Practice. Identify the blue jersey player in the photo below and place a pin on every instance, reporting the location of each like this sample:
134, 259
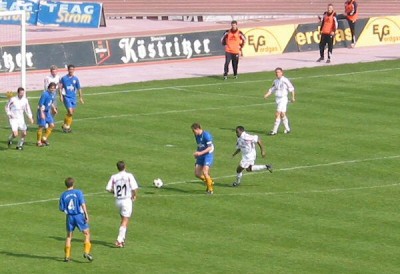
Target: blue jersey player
72, 203
45, 119
204, 156
70, 88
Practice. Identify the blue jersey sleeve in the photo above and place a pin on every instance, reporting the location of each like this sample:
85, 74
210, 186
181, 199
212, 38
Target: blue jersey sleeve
208, 140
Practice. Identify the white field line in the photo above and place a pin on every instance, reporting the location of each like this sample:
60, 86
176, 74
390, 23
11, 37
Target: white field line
254, 193
268, 81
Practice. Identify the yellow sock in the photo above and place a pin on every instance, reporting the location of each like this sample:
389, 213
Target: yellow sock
210, 184
39, 135
66, 119
67, 250
47, 133
69, 120
87, 247
203, 178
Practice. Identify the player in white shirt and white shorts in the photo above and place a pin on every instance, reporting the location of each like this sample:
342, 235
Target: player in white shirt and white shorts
15, 109
281, 87
246, 143
124, 187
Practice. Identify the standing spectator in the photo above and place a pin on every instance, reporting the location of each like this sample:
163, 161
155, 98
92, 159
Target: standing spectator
281, 87
53, 77
204, 156
233, 40
246, 143
15, 109
124, 187
351, 15
329, 25
72, 203
45, 119
69, 88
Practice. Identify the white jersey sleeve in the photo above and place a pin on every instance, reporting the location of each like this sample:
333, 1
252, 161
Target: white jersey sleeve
281, 87
27, 107
247, 143
122, 185
16, 107
51, 79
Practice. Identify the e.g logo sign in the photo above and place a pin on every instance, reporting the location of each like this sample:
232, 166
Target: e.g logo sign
380, 31
266, 40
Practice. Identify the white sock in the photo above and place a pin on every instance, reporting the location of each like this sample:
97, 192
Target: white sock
11, 137
121, 234
258, 167
21, 142
276, 125
239, 177
285, 122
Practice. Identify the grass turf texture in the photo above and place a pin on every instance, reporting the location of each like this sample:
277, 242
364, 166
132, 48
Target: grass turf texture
331, 205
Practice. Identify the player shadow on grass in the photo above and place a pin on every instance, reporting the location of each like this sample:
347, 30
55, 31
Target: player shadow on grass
95, 242
31, 256
216, 184
4, 145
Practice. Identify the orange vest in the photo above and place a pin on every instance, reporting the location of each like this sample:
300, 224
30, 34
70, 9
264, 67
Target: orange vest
349, 8
234, 42
329, 23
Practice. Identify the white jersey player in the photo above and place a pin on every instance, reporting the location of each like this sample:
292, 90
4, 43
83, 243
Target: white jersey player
124, 187
53, 77
15, 109
281, 87
246, 143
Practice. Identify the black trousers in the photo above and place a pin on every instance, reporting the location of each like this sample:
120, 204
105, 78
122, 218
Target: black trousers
352, 26
325, 39
235, 63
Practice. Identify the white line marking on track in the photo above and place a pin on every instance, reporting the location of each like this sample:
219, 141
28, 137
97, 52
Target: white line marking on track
250, 194
267, 81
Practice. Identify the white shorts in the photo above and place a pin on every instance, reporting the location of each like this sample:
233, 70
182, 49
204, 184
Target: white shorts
125, 207
247, 160
18, 124
281, 104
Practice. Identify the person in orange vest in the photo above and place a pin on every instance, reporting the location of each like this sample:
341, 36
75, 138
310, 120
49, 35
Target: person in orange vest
233, 40
351, 15
328, 28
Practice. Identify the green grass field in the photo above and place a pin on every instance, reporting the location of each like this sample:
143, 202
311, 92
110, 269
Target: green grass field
330, 206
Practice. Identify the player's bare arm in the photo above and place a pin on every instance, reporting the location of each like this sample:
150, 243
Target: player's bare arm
81, 96
236, 152
262, 149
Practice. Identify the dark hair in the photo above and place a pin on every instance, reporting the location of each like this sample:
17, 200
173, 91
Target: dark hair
20, 89
240, 128
69, 182
195, 126
279, 68
52, 84
234, 22
70, 66
120, 165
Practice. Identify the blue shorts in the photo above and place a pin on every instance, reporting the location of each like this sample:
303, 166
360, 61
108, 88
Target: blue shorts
205, 160
49, 119
70, 102
78, 221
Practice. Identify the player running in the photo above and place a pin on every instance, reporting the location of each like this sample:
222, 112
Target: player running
246, 143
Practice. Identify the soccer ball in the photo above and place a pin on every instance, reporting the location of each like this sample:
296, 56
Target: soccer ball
158, 183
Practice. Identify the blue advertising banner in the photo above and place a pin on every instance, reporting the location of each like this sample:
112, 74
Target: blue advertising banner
70, 14
30, 6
